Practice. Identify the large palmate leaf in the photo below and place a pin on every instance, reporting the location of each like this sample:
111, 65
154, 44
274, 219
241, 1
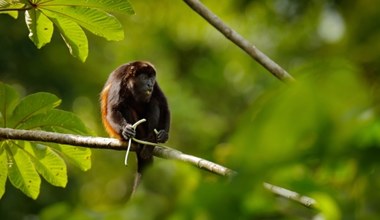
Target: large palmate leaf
23, 162
79, 157
33, 105
70, 16
3, 169
72, 34
7, 4
119, 6
40, 27
48, 163
96, 21
22, 172
8, 100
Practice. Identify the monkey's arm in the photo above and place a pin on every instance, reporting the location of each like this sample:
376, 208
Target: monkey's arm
164, 119
114, 122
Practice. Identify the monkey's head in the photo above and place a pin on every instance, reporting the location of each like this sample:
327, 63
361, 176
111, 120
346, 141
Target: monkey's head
140, 78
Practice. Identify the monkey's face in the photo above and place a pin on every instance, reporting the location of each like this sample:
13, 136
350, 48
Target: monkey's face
143, 84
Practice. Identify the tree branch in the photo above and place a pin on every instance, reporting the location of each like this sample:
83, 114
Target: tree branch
159, 151
294, 196
237, 39
112, 144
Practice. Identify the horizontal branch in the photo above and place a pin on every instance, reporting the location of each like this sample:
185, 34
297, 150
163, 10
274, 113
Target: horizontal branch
240, 41
112, 144
159, 151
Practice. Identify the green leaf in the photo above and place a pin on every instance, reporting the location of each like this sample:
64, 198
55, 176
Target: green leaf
55, 120
9, 5
4, 4
22, 173
48, 163
32, 105
98, 22
3, 169
40, 27
78, 156
13, 14
119, 6
8, 100
22, 161
72, 34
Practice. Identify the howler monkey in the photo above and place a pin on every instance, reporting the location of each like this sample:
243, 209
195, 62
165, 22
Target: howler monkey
131, 93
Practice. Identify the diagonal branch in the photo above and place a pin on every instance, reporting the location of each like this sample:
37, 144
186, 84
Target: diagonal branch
112, 144
294, 196
240, 41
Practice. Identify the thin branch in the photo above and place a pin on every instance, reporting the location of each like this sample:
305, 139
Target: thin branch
294, 196
240, 41
112, 144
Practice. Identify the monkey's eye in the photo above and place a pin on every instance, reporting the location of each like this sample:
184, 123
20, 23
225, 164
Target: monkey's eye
144, 75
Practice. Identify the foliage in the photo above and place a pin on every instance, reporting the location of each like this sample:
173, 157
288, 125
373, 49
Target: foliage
22, 161
69, 16
319, 137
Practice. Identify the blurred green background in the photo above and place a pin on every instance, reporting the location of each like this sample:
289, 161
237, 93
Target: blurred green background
319, 137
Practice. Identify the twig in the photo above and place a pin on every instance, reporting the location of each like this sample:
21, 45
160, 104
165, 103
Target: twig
237, 39
304, 200
112, 144
134, 126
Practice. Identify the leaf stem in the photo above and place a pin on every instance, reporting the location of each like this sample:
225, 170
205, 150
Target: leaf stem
16, 9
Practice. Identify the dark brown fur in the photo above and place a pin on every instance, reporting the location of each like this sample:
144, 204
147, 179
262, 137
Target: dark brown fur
128, 97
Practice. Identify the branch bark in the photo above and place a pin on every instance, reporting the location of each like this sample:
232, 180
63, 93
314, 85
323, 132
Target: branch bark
159, 151
294, 196
111, 144
240, 41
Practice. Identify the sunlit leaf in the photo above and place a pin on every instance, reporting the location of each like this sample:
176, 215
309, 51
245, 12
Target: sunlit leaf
48, 163
3, 169
24, 161
67, 15
10, 5
72, 34
8, 100
40, 27
22, 172
119, 6
78, 156
55, 119
98, 22
32, 105
4, 4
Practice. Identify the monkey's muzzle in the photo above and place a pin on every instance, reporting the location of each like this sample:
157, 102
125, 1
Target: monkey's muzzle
148, 92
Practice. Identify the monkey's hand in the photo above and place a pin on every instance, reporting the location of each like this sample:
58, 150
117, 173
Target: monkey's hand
162, 136
128, 132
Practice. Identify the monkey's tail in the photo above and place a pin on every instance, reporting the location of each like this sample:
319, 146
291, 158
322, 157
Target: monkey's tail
144, 160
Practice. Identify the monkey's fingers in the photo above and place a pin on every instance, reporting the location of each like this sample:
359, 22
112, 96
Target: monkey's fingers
128, 132
162, 136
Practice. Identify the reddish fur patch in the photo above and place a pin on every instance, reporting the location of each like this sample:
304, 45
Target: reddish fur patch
104, 110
